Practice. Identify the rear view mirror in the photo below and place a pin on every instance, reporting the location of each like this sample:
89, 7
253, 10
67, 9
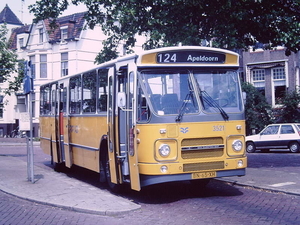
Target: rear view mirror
244, 96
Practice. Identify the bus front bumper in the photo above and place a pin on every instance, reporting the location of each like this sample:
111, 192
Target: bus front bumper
147, 180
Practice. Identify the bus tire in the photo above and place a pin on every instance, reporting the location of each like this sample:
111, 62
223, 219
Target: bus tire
115, 188
60, 167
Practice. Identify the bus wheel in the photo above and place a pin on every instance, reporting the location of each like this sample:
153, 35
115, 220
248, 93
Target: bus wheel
112, 186
201, 183
60, 167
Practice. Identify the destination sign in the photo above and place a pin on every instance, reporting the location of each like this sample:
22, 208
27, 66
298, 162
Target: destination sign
190, 57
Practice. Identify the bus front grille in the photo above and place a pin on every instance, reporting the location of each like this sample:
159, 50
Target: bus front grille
192, 167
194, 148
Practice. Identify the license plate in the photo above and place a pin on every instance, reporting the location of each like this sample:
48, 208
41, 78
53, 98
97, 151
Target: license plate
203, 175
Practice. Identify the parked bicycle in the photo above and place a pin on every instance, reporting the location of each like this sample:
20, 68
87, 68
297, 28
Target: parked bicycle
16, 133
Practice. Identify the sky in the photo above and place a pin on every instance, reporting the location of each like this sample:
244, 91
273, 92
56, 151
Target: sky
19, 6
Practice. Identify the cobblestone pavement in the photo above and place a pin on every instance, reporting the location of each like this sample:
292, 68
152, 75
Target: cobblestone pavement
174, 203
178, 203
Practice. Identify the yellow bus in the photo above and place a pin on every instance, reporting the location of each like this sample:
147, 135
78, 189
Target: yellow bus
168, 114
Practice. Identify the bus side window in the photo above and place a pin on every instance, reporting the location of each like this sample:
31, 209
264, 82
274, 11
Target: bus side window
75, 94
89, 81
102, 103
45, 107
102, 90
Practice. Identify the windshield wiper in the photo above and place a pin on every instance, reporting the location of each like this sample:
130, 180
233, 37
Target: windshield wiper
206, 98
183, 106
212, 103
185, 101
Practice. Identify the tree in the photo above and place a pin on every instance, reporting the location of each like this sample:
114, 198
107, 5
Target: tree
290, 112
257, 110
226, 23
9, 64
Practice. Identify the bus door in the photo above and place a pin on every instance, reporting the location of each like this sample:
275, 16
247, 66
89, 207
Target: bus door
57, 135
127, 125
131, 127
64, 124
113, 149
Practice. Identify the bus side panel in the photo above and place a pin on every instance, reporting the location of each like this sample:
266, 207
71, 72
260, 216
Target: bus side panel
45, 134
85, 136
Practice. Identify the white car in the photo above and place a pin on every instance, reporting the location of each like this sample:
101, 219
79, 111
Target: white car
275, 136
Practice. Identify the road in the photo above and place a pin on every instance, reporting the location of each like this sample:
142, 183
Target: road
174, 203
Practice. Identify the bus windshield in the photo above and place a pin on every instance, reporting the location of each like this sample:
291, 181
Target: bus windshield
219, 89
176, 91
170, 91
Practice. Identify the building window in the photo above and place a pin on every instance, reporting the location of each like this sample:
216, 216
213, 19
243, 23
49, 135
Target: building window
21, 42
258, 75
278, 73
43, 66
41, 35
258, 79
279, 82
32, 60
1, 106
63, 33
64, 64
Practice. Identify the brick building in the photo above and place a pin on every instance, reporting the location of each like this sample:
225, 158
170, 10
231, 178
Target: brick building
272, 72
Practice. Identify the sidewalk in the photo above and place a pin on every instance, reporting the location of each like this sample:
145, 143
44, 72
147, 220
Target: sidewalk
57, 189
269, 179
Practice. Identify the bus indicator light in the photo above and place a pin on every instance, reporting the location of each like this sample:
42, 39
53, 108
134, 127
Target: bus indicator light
163, 169
240, 163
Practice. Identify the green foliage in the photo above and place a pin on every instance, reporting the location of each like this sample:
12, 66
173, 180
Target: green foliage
15, 84
290, 112
257, 110
228, 24
9, 65
8, 58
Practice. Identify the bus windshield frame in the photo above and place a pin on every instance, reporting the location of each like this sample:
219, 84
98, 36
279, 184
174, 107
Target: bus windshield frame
179, 91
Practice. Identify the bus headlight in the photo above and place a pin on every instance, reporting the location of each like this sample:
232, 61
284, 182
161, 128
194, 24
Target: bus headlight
237, 145
164, 150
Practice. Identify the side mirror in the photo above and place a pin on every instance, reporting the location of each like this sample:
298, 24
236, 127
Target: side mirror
121, 99
244, 96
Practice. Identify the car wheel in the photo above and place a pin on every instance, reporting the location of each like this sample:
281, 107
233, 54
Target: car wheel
294, 147
250, 147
